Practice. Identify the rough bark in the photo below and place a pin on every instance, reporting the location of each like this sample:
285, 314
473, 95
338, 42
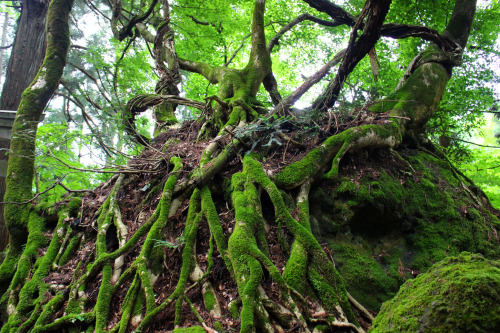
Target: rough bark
27, 52
20, 170
25, 60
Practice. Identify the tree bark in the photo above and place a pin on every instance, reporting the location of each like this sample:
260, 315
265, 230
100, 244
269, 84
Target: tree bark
25, 60
27, 52
20, 170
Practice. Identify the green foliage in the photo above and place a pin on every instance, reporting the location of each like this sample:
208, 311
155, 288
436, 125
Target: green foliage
58, 143
179, 241
484, 164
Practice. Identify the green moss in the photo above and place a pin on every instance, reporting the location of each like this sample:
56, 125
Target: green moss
296, 268
192, 329
73, 245
302, 234
74, 206
242, 244
233, 309
456, 295
209, 300
103, 303
369, 279
44, 208
218, 327
208, 208
392, 213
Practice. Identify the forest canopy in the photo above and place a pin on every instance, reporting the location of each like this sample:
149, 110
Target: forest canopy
241, 165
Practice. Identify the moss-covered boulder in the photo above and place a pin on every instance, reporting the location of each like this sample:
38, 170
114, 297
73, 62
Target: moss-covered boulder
458, 294
392, 215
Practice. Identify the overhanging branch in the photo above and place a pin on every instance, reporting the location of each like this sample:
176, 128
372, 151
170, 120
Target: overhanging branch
301, 18
334, 11
357, 49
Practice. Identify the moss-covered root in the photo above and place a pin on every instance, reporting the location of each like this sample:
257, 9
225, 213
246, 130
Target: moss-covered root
210, 301
192, 223
104, 221
334, 148
242, 244
304, 236
296, 266
28, 292
208, 208
148, 264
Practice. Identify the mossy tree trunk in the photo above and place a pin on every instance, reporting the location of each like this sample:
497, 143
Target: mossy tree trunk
306, 294
25, 60
20, 219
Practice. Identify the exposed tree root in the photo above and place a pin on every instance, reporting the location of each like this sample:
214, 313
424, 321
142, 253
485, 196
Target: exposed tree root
246, 254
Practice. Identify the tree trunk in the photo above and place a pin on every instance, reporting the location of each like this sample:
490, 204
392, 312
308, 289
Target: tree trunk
27, 52
3, 42
25, 230
25, 60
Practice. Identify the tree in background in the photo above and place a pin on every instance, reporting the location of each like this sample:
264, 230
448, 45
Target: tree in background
217, 223
25, 59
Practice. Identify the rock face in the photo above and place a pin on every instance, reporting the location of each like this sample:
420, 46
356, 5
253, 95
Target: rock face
458, 294
392, 215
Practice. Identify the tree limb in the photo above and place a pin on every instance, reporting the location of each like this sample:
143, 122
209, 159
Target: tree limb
285, 104
127, 30
301, 18
400, 31
357, 49
334, 11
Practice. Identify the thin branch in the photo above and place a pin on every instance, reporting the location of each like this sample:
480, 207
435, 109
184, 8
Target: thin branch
74, 191
58, 182
393, 30
6, 47
95, 9
75, 46
237, 50
472, 143
303, 17
243, 41
357, 49
94, 79
102, 170
400, 31
334, 11
127, 30
283, 106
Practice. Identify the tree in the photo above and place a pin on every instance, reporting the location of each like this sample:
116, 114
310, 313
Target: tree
25, 60
225, 226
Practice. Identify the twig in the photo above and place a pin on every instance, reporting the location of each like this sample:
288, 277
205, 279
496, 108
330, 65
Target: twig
360, 308
472, 143
74, 191
236, 137
58, 182
103, 171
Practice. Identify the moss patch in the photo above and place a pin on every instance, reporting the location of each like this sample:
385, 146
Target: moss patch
192, 329
459, 294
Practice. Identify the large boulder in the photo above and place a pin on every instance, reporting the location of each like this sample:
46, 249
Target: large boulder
458, 294
392, 215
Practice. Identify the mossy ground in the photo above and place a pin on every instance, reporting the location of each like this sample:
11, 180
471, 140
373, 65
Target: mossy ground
459, 294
